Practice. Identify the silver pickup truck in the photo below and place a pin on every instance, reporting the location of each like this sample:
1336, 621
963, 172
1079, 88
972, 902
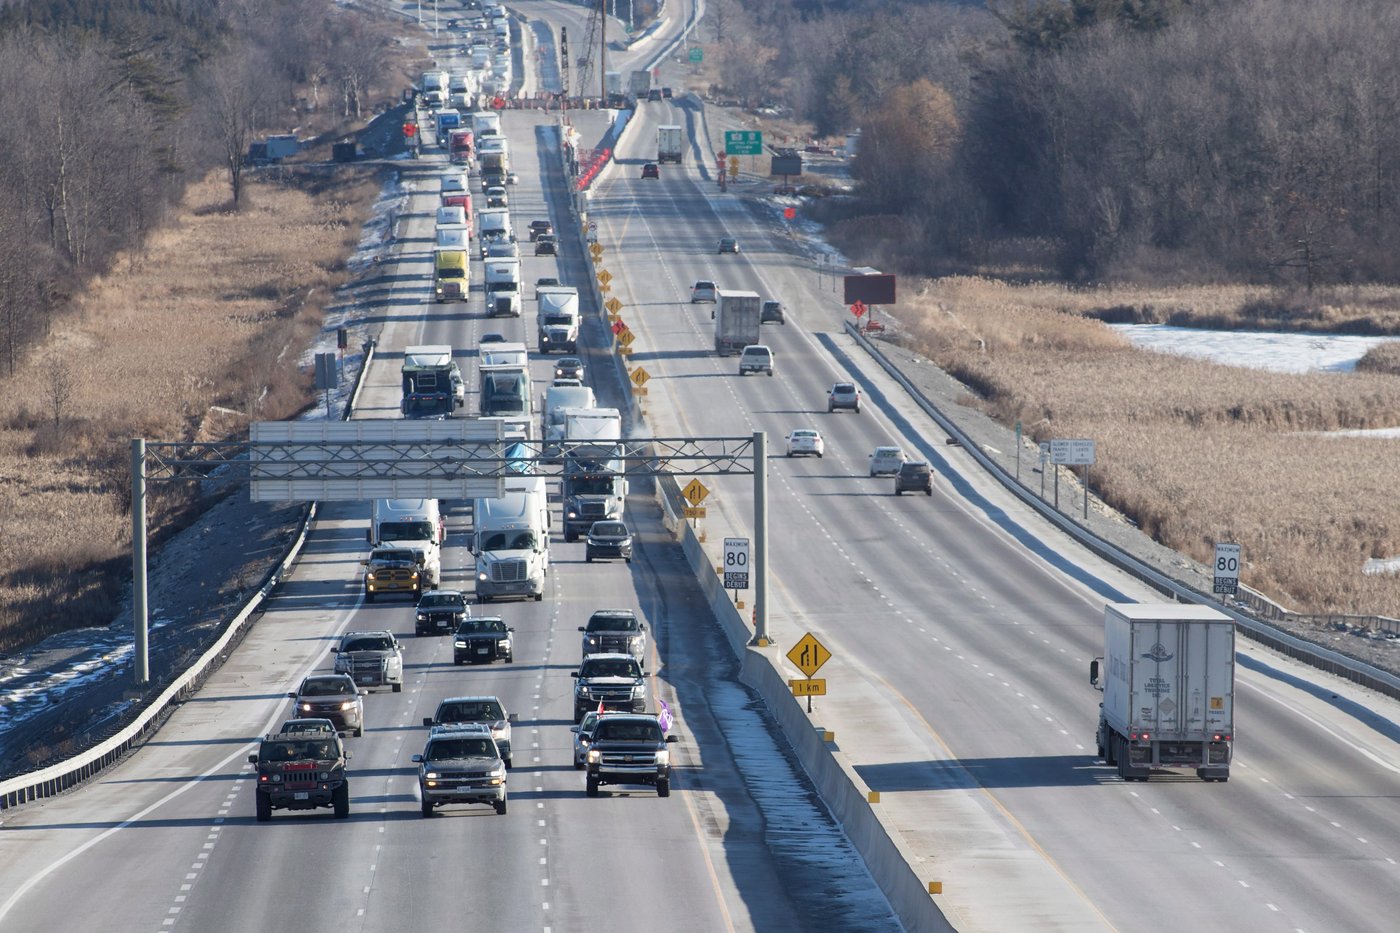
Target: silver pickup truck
372, 659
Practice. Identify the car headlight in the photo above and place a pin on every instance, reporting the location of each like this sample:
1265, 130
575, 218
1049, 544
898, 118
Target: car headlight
459, 644
431, 775
584, 691
348, 704
276, 778
305, 707
663, 757
640, 690
505, 643
594, 756
572, 514
592, 640
483, 576
422, 617
325, 775
499, 773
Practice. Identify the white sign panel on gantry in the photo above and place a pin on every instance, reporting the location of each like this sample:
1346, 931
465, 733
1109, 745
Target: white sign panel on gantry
299, 461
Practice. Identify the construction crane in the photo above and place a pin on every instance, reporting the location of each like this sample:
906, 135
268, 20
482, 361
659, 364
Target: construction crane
595, 35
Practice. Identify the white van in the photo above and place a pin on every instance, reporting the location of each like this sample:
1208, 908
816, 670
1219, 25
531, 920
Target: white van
756, 358
453, 216
411, 523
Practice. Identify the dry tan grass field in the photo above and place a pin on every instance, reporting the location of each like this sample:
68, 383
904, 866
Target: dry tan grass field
1195, 452
189, 339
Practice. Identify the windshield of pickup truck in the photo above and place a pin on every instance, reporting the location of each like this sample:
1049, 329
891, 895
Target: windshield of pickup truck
442, 749
475, 711
610, 623
627, 731
610, 667
479, 626
369, 643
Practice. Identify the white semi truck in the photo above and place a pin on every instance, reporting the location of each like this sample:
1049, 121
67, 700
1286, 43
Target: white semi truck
1168, 682
502, 279
594, 483
557, 318
511, 545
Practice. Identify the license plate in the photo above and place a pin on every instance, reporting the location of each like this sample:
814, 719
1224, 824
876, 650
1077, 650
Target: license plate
301, 795
442, 623
483, 651
463, 788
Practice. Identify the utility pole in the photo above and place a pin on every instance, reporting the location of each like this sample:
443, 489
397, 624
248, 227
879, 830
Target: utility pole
603, 51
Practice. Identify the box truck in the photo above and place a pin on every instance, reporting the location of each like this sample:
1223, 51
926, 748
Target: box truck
737, 321
1168, 681
669, 140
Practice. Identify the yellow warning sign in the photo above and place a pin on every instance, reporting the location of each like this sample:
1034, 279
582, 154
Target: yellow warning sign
693, 511
604, 276
595, 250
733, 166
808, 687
640, 376
613, 305
626, 337
695, 492
809, 655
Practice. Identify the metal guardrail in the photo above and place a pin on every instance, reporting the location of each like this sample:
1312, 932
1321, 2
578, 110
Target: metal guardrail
1316, 655
58, 778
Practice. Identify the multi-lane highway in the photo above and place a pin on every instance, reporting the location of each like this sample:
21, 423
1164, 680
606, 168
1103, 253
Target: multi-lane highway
962, 632
166, 840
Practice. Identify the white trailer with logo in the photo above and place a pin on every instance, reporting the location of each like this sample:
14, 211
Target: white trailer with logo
1168, 682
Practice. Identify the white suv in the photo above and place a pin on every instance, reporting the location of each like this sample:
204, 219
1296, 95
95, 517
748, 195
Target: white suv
703, 291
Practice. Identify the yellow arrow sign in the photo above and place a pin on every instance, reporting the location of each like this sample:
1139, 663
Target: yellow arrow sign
808, 688
640, 376
626, 337
604, 276
595, 249
809, 655
613, 305
695, 492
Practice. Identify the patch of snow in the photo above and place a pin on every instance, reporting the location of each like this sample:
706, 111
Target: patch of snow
1275, 352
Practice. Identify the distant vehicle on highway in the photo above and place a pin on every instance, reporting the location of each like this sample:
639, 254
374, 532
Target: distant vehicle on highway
628, 749
886, 461
703, 290
651, 170
492, 338
843, 395
300, 771
805, 442
540, 227
772, 313
308, 726
334, 697
728, 245
546, 245
608, 540
914, 476
757, 358
461, 764
568, 367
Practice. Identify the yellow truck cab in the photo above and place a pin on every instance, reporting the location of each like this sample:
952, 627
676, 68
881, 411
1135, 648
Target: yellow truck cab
450, 282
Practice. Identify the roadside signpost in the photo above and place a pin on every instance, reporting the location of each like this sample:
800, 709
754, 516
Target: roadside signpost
695, 493
743, 142
1227, 570
1075, 452
809, 655
639, 379
736, 564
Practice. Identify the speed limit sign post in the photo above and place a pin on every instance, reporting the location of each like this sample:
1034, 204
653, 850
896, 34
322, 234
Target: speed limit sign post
1227, 570
736, 565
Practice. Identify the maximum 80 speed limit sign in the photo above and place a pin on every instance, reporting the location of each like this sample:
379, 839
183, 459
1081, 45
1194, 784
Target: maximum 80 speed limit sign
1227, 569
736, 563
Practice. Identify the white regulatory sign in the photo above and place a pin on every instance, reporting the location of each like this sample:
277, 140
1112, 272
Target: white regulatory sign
1072, 452
736, 563
1227, 569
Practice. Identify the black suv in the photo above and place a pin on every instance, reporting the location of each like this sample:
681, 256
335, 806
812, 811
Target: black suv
301, 771
609, 681
629, 750
440, 612
913, 476
334, 697
614, 631
483, 641
772, 313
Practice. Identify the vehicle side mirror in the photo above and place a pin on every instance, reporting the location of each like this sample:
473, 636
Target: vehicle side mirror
349, 754
369, 535
335, 650
471, 542
513, 717
642, 626
571, 729
253, 759
427, 720
417, 759
365, 562
510, 628
573, 674
1094, 672
582, 628
672, 739
363, 693
292, 694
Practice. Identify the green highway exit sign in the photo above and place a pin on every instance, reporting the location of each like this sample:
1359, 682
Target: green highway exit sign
743, 142
697, 55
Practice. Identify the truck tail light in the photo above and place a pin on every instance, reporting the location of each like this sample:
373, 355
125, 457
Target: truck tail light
1144, 736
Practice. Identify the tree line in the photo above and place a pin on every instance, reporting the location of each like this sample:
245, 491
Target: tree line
1250, 140
112, 106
